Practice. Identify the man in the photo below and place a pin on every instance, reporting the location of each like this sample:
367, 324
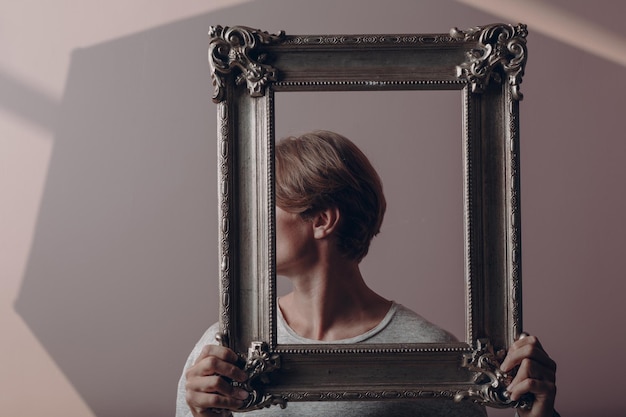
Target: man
330, 204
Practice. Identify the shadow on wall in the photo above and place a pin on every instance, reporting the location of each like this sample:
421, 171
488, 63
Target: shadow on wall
121, 279
126, 225
120, 282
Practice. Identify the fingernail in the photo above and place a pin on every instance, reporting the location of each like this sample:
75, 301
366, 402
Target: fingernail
241, 394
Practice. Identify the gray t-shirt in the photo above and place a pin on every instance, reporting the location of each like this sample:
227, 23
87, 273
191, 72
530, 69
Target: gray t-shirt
400, 325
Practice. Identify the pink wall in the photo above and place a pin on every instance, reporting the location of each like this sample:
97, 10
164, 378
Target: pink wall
112, 264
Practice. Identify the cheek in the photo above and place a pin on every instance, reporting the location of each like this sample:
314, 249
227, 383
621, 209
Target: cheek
293, 243
288, 243
281, 248
282, 238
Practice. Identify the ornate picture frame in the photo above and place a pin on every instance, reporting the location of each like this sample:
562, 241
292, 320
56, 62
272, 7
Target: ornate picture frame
485, 64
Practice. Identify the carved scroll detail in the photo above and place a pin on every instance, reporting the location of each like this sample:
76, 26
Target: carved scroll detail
367, 395
501, 47
516, 257
224, 156
258, 364
235, 48
365, 40
491, 381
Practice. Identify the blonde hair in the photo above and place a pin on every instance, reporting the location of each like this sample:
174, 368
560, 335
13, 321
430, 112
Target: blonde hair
322, 169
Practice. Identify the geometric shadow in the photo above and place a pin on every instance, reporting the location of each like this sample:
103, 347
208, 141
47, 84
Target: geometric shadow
121, 277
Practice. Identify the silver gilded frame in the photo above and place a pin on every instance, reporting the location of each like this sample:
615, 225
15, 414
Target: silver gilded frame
486, 65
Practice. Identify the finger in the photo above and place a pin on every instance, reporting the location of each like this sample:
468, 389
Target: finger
215, 385
202, 401
221, 352
532, 370
213, 365
214, 359
528, 347
542, 389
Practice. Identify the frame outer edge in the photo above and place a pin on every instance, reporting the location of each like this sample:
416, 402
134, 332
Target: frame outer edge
257, 124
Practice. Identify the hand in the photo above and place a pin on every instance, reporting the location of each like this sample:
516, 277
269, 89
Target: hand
207, 385
536, 374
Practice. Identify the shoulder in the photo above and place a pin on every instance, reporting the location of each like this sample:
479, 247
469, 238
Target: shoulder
208, 338
406, 326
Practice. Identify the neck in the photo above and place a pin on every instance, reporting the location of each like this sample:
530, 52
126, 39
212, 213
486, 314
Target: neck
332, 302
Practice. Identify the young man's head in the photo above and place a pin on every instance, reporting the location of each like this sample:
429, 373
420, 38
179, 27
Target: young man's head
321, 170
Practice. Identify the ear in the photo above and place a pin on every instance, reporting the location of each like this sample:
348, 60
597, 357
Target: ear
325, 222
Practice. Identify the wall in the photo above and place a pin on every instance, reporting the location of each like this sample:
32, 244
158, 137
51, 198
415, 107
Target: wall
107, 198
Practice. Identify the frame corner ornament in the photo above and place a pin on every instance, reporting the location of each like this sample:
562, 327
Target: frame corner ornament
259, 363
235, 47
502, 48
491, 382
